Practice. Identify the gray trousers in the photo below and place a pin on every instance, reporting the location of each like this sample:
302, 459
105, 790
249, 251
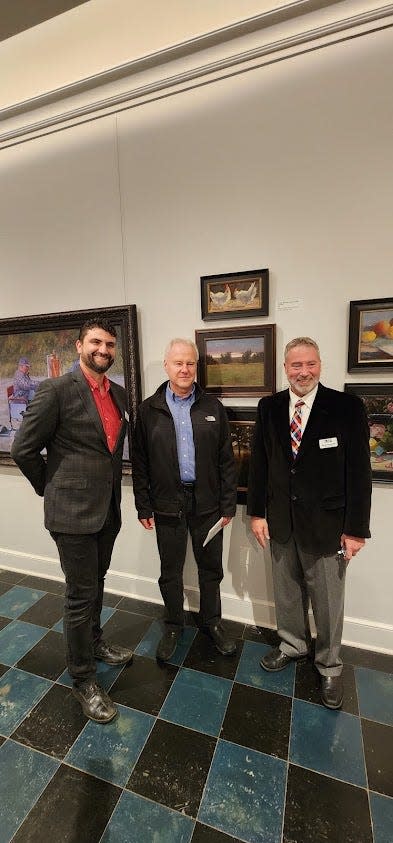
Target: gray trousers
300, 577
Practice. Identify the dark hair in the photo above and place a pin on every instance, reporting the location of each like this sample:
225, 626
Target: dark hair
99, 322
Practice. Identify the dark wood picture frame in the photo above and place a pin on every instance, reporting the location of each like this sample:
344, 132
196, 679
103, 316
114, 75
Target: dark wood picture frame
237, 361
370, 343
378, 401
241, 424
235, 295
48, 342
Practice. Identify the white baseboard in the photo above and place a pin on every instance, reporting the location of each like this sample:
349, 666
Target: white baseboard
358, 632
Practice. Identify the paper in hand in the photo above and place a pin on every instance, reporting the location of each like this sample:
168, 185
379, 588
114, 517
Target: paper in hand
213, 531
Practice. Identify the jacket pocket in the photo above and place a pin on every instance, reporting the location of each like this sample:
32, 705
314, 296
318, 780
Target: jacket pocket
70, 483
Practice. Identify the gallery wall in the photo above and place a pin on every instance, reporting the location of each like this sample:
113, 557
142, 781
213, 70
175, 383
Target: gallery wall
287, 166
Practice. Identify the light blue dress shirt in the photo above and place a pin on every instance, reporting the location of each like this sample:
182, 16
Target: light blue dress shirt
180, 410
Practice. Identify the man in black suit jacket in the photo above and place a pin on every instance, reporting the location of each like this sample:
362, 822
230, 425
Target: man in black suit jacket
310, 493
81, 419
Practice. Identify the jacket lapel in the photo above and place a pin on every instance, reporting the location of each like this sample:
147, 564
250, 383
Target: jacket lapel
118, 400
280, 417
317, 416
89, 403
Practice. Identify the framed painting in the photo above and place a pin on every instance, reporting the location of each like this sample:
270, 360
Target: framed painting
237, 294
378, 401
242, 423
370, 334
237, 361
33, 348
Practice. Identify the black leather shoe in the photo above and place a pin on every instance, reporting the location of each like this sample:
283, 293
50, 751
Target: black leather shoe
332, 691
226, 646
168, 644
112, 653
276, 660
95, 702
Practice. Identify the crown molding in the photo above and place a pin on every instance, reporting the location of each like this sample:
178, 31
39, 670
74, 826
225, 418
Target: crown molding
345, 29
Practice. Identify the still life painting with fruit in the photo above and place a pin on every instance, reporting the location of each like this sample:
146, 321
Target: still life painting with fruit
376, 335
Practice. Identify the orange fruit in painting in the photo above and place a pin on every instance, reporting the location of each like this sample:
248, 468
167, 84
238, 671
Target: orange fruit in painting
368, 336
390, 332
381, 328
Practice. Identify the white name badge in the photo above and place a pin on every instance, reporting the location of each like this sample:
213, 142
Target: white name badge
210, 418
330, 442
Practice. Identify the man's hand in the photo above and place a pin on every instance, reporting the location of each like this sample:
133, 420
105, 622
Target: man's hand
226, 519
147, 523
260, 529
351, 545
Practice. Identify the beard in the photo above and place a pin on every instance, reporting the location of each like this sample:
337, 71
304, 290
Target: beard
97, 362
303, 387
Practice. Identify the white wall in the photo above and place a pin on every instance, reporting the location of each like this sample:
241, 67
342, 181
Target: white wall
289, 167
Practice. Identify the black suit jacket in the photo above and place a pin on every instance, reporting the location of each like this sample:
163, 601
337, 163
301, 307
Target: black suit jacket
326, 491
80, 472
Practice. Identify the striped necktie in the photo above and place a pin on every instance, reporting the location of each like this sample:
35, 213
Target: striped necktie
296, 428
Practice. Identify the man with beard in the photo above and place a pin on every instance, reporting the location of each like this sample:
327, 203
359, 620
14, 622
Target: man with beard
310, 492
80, 419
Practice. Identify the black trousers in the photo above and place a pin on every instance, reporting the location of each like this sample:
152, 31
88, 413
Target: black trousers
85, 560
172, 533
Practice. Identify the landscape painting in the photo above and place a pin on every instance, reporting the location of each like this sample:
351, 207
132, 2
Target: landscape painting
237, 361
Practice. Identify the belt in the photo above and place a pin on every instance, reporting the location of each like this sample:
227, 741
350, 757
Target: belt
188, 486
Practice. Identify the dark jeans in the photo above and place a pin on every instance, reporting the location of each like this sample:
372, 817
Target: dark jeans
85, 560
172, 535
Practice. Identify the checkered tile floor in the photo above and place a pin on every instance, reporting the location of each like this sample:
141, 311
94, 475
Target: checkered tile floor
205, 749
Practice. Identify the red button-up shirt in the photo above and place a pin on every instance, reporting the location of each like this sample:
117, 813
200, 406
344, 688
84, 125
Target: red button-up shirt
109, 413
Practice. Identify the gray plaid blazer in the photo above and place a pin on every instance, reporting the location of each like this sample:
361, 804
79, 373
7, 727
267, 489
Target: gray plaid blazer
80, 472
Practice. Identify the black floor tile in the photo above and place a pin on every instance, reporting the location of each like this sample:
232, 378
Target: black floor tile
259, 720
367, 658
47, 658
378, 752
5, 586
74, 808
54, 724
126, 629
203, 655
2, 740
144, 685
205, 834
45, 584
46, 612
173, 767
142, 607
4, 622
323, 810
111, 600
11, 576
308, 684
261, 634
3, 669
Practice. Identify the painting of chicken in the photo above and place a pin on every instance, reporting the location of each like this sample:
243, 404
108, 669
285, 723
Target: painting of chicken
236, 294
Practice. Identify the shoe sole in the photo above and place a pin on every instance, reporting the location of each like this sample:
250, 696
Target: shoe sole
114, 663
332, 707
89, 716
225, 652
167, 657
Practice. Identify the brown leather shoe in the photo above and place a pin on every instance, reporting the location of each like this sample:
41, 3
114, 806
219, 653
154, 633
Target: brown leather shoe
112, 653
224, 645
276, 660
95, 702
332, 691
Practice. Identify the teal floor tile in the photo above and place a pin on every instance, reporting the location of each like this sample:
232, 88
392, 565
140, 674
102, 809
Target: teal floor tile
375, 692
24, 774
382, 816
110, 753
328, 742
137, 820
19, 692
244, 794
106, 675
249, 671
197, 700
17, 600
148, 645
17, 639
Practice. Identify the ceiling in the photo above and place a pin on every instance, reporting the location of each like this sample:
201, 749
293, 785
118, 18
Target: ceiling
18, 15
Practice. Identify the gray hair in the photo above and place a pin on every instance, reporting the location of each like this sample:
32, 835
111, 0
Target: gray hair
300, 341
181, 341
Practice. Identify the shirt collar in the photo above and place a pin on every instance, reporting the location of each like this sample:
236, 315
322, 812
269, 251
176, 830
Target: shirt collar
172, 395
308, 399
93, 383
